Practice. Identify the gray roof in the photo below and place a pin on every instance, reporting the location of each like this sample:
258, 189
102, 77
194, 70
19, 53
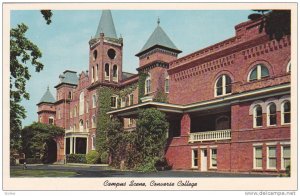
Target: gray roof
68, 77
126, 75
160, 38
47, 97
106, 25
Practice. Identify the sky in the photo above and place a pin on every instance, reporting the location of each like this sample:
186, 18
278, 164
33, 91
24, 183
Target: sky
64, 43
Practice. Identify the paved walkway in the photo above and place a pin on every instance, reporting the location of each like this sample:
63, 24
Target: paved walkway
98, 171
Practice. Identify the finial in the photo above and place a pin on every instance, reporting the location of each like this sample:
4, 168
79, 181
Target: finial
47, 87
158, 21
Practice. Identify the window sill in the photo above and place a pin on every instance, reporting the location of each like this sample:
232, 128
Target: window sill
219, 96
258, 127
257, 169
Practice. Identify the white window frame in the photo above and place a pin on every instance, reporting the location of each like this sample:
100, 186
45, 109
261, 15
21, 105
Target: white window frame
94, 100
254, 157
123, 102
193, 158
115, 79
282, 113
116, 104
282, 158
130, 99
93, 79
93, 138
167, 84
148, 81
223, 85
258, 66
255, 116
81, 125
93, 121
268, 115
96, 74
210, 164
106, 77
51, 117
268, 157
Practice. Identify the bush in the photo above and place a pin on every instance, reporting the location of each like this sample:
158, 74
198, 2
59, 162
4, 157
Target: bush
162, 164
76, 158
92, 157
33, 161
147, 166
12, 161
104, 158
288, 170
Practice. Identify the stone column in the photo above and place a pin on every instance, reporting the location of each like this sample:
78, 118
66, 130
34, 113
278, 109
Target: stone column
71, 145
185, 128
74, 145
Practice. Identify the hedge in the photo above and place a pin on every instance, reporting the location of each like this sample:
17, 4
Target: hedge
76, 158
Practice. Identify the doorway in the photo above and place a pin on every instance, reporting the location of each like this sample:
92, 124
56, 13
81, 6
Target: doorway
203, 159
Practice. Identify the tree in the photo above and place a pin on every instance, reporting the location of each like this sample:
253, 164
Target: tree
36, 135
22, 50
276, 23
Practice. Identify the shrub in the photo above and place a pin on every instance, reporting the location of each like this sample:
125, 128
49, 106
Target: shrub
92, 157
33, 161
288, 170
147, 166
12, 161
76, 158
104, 158
162, 164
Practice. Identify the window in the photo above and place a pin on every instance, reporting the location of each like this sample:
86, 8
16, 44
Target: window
194, 158
285, 156
113, 102
257, 116
271, 157
94, 100
115, 73
94, 122
123, 102
213, 158
131, 99
271, 110
96, 72
223, 85
81, 103
93, 74
259, 72
40, 119
95, 55
75, 111
70, 95
93, 142
106, 71
286, 112
257, 157
148, 85
130, 122
51, 120
59, 114
167, 84
81, 125
111, 53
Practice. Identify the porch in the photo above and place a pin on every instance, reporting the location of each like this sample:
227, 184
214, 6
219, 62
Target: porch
76, 142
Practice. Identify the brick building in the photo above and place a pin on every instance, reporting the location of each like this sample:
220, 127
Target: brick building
228, 105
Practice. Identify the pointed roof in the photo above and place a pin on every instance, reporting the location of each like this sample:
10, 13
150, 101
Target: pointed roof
47, 97
158, 38
106, 25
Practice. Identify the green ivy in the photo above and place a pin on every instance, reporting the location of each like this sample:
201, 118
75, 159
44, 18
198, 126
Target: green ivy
141, 85
160, 96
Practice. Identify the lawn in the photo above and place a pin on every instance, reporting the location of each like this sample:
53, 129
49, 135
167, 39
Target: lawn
40, 173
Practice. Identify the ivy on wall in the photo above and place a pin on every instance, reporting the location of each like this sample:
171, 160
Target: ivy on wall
141, 85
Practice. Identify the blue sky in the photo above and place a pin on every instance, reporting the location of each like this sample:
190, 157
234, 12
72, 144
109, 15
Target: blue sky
64, 43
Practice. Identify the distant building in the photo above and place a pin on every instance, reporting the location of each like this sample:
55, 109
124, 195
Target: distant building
228, 104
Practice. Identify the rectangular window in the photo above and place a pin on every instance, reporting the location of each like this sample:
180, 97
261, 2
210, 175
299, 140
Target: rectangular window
131, 99
258, 157
272, 157
123, 102
213, 158
113, 102
51, 121
285, 156
195, 158
94, 101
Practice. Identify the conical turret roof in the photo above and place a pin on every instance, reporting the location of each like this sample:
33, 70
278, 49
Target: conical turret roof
159, 38
106, 25
47, 97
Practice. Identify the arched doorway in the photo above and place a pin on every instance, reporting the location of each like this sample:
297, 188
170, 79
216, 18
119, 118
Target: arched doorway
50, 153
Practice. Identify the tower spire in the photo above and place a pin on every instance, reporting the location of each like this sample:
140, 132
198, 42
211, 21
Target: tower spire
106, 25
158, 21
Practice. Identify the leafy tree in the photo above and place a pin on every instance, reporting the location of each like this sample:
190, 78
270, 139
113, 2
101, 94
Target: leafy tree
22, 51
276, 23
36, 135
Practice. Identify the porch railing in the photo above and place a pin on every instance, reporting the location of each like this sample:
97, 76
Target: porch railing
210, 136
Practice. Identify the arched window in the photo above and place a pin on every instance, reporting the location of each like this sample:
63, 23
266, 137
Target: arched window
70, 95
148, 85
93, 142
115, 73
257, 116
93, 74
288, 69
81, 103
223, 85
167, 84
260, 71
81, 125
286, 112
222, 123
94, 100
271, 111
106, 71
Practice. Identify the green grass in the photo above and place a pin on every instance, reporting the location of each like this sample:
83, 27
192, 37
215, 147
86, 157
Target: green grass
40, 173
